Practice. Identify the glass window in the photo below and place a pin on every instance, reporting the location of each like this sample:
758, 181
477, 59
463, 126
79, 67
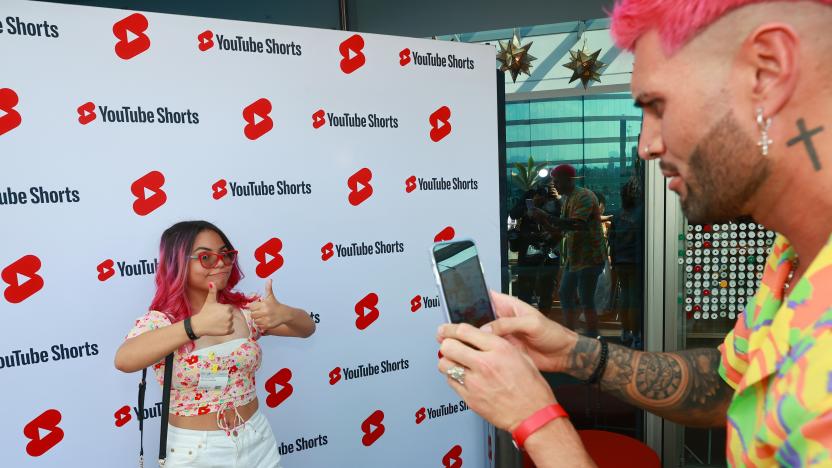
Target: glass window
551, 270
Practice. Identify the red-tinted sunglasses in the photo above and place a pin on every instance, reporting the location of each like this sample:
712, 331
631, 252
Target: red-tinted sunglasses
210, 259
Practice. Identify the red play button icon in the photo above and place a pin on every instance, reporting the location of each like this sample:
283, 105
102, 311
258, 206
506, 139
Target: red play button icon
373, 428
22, 279
268, 257
360, 187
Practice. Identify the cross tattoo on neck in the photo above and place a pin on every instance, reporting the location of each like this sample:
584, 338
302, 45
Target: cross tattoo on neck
805, 136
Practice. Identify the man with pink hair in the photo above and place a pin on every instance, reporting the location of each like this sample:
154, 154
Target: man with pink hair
737, 100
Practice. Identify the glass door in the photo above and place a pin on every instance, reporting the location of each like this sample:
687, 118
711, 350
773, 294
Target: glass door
586, 282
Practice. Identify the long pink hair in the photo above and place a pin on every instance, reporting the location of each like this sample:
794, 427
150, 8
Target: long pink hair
677, 21
172, 275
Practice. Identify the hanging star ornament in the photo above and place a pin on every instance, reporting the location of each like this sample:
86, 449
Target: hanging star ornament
585, 67
515, 57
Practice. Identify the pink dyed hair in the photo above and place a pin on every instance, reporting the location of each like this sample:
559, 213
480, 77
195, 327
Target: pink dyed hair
677, 21
172, 275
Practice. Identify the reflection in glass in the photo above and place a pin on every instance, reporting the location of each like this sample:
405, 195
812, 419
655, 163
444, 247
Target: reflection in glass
598, 135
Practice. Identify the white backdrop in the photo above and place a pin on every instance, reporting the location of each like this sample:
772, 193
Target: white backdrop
98, 212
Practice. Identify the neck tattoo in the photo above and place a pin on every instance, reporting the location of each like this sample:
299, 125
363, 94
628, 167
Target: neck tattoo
805, 136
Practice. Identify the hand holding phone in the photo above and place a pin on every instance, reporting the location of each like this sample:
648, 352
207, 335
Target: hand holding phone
461, 283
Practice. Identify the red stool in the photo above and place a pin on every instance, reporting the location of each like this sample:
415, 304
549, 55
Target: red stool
612, 450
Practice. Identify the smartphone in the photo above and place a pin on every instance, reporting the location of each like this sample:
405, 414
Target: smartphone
461, 283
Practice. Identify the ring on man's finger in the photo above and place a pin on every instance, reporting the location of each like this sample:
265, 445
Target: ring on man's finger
457, 373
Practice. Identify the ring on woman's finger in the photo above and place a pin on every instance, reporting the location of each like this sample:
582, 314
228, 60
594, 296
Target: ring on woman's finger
457, 373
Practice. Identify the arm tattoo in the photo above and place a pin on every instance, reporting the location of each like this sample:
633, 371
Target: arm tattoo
658, 379
805, 136
583, 358
684, 387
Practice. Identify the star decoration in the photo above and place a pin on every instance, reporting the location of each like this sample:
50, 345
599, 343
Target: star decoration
515, 57
585, 67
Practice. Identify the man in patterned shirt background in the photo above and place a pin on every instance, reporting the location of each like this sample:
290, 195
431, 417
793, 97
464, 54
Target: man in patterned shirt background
583, 251
737, 100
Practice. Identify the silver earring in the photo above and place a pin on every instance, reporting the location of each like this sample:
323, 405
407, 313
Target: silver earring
763, 124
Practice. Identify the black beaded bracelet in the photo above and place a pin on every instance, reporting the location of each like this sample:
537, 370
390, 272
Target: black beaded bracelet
189, 330
602, 363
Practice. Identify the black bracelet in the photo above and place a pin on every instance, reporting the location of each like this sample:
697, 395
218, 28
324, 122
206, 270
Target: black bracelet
602, 363
189, 330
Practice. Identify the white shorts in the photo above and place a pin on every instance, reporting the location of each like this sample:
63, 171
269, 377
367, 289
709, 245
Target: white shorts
254, 446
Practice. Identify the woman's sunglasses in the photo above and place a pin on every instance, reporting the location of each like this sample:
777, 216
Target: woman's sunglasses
211, 259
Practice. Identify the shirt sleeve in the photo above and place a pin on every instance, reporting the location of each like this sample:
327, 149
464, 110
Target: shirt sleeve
147, 322
584, 206
734, 352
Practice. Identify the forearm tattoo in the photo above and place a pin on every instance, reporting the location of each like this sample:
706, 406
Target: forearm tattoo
805, 137
584, 357
683, 386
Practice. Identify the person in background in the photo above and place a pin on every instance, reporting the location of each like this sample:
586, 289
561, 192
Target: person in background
584, 251
605, 289
626, 237
537, 250
606, 220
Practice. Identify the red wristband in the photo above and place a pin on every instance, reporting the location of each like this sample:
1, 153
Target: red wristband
535, 422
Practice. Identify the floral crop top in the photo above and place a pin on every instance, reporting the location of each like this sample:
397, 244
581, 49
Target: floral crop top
205, 381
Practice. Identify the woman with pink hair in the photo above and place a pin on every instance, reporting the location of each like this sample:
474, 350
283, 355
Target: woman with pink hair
212, 332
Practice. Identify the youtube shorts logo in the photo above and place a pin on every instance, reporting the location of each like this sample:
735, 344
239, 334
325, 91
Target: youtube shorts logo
122, 416
43, 433
367, 311
148, 192
440, 124
220, 189
22, 279
453, 459
206, 40
373, 428
131, 36
445, 235
280, 379
268, 257
420, 415
334, 376
352, 55
416, 303
410, 184
360, 187
318, 119
106, 270
258, 121
86, 113
10, 118
404, 57
327, 251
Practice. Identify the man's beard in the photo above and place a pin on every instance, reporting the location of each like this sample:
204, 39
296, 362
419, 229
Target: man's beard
727, 169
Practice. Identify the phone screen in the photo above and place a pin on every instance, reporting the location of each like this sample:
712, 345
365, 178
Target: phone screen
463, 284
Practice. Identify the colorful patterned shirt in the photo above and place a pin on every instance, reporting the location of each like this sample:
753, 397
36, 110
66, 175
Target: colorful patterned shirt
583, 248
778, 359
188, 397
